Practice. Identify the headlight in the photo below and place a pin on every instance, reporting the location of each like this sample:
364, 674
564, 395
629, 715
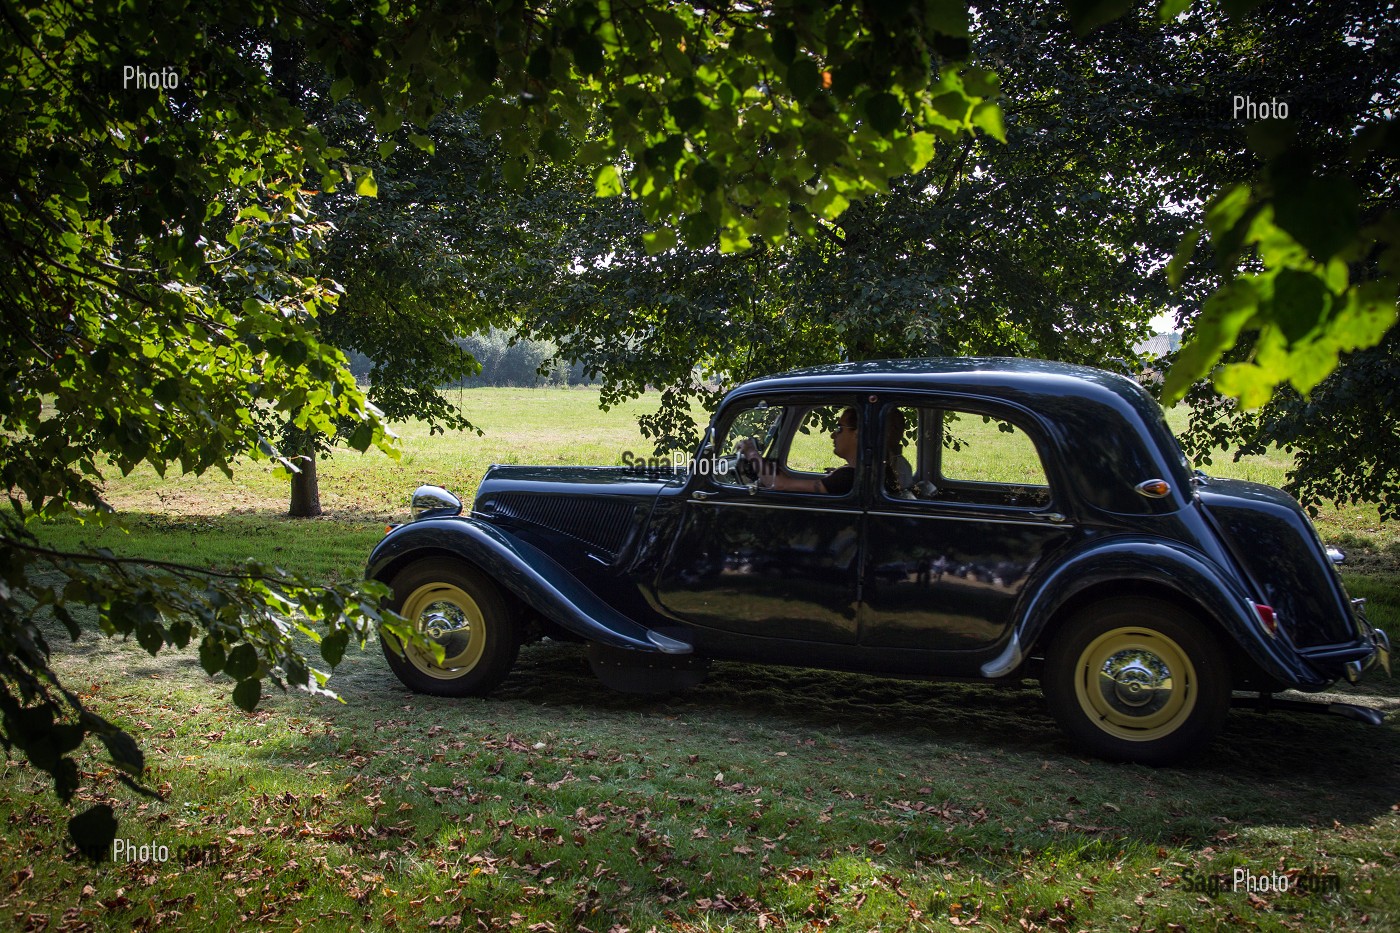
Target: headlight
433, 502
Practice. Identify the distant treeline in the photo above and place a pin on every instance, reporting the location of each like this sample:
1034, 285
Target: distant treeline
502, 364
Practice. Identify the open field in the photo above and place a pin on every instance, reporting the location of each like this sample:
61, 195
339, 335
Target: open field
763, 799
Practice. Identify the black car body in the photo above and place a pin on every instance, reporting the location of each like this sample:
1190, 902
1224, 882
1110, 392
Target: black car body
1090, 555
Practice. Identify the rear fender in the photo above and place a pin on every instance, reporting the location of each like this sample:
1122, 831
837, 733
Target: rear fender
525, 571
1120, 562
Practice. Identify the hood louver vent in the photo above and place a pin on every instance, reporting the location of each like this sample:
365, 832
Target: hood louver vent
601, 525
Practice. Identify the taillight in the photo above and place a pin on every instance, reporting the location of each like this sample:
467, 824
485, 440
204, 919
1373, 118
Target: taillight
1267, 617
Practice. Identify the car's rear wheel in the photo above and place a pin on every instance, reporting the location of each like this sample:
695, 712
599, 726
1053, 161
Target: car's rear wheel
459, 608
1137, 680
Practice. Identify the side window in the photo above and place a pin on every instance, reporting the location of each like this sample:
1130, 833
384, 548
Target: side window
811, 449
962, 456
761, 423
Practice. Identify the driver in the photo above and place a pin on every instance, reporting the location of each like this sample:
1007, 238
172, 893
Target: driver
838, 482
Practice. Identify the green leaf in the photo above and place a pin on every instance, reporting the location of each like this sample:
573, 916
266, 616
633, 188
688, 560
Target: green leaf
885, 112
733, 241
698, 229
1300, 305
1176, 268
362, 436
986, 116
1321, 214
948, 17
658, 241
1248, 383
150, 634
167, 390
93, 830
366, 186
1226, 209
242, 662
211, 655
247, 694
1311, 363
333, 646
1222, 318
829, 204
705, 176
688, 112
607, 183
71, 624
425, 143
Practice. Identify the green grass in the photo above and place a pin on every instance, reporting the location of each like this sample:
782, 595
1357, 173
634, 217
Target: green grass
763, 799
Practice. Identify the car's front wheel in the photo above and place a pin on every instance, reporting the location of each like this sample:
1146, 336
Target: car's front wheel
460, 609
1137, 680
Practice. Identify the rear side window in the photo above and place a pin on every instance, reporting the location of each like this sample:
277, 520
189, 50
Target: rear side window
963, 456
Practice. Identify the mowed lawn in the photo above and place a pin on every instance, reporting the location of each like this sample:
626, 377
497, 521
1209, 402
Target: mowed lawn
763, 799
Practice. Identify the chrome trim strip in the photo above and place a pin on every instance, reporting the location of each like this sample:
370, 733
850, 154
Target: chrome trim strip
1051, 519
1038, 523
770, 504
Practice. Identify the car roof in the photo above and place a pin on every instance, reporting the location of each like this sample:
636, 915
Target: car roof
1008, 377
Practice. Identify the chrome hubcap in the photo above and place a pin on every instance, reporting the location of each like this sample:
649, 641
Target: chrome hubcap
1135, 682
442, 618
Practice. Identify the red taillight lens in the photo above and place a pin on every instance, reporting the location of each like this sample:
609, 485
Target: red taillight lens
1268, 617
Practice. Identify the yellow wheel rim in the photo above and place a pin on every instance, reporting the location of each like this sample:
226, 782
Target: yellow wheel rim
1135, 684
448, 616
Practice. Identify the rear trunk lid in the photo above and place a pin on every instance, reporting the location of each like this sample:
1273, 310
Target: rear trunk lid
1273, 541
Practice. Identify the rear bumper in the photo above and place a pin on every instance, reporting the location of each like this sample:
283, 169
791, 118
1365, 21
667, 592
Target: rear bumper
1352, 659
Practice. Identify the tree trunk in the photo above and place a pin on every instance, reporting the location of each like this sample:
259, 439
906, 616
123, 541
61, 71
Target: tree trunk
306, 494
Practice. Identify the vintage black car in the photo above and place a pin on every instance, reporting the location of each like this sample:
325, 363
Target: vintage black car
993, 519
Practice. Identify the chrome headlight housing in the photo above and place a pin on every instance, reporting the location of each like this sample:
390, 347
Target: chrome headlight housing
433, 502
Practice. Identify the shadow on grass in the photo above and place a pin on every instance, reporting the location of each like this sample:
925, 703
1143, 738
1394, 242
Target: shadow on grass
1294, 769
1276, 770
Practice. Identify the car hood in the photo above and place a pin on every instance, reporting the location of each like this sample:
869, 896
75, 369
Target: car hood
601, 509
583, 480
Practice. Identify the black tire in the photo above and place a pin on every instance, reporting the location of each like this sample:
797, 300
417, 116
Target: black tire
467, 615
1170, 693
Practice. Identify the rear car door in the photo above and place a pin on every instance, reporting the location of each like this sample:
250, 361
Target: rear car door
965, 513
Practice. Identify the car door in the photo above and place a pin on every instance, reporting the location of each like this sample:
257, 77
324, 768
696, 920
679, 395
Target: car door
965, 513
767, 563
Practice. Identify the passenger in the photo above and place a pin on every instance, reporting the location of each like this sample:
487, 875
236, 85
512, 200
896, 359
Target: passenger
899, 478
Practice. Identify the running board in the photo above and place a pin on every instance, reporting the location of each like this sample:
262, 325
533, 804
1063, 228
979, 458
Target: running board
1266, 703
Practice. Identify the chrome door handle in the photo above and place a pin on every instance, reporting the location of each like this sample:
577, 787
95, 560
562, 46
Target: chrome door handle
704, 494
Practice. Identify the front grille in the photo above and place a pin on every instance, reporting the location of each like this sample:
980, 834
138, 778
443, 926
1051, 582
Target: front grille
599, 524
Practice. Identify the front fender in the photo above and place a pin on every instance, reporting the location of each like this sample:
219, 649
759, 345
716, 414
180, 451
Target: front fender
524, 570
1122, 561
